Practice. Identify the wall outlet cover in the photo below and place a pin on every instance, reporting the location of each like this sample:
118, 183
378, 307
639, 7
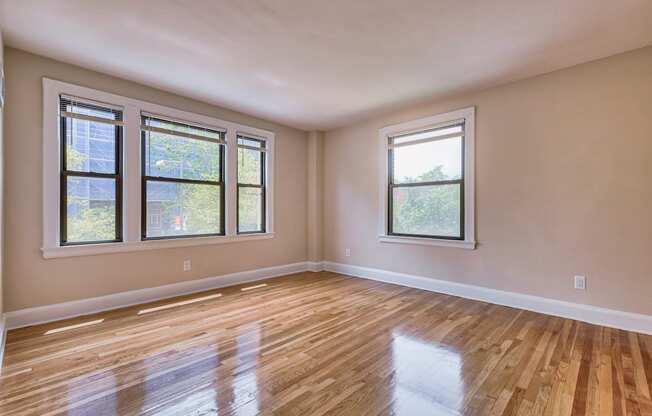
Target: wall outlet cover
580, 282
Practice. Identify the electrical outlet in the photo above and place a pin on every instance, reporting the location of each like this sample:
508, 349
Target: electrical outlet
187, 265
580, 282
347, 252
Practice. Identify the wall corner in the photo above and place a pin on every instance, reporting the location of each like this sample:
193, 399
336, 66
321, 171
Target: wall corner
315, 199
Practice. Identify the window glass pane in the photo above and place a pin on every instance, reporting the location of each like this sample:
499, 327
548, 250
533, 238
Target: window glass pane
428, 134
90, 146
179, 157
432, 161
250, 209
90, 209
427, 210
182, 209
249, 166
170, 125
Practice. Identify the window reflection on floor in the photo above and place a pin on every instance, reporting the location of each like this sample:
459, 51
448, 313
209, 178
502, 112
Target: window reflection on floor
76, 393
212, 391
200, 396
245, 383
428, 377
204, 399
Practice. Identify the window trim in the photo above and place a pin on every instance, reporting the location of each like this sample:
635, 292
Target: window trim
145, 178
131, 183
467, 240
262, 186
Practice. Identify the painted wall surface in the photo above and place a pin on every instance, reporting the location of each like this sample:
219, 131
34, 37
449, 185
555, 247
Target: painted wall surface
563, 170
32, 281
2, 240
315, 191
562, 188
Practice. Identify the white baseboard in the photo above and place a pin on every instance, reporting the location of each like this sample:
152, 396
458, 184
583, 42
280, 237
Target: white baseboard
587, 313
3, 339
59, 311
315, 266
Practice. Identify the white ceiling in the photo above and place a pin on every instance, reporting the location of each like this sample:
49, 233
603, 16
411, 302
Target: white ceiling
324, 63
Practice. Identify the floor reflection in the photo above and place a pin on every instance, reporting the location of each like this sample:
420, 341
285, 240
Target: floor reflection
213, 385
428, 377
203, 401
245, 382
76, 390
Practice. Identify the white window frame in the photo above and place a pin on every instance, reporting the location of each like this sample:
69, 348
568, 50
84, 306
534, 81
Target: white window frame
468, 114
131, 191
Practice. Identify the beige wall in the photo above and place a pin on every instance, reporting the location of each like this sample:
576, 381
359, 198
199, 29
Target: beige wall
1, 188
315, 192
31, 280
563, 187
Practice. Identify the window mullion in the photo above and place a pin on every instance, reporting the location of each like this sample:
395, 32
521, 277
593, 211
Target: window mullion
431, 183
90, 174
131, 186
182, 180
231, 180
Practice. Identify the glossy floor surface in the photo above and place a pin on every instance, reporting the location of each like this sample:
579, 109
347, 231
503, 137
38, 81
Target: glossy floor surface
324, 344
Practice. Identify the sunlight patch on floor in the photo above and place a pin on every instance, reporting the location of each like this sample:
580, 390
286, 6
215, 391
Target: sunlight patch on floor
181, 303
244, 289
69, 327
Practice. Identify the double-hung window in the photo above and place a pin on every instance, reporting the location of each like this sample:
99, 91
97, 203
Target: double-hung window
90, 171
182, 179
428, 187
251, 185
121, 174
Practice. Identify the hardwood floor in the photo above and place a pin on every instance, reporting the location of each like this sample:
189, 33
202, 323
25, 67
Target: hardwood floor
324, 344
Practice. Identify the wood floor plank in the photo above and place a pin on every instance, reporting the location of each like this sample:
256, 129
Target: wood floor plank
324, 344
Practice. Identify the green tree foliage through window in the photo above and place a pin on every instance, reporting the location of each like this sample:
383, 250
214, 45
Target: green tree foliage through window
90, 221
250, 186
173, 208
90, 174
427, 210
427, 183
180, 208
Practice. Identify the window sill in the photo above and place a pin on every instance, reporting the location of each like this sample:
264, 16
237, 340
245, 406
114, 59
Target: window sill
108, 248
468, 245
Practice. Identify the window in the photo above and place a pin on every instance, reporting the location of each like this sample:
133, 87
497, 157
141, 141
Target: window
251, 185
90, 172
429, 181
182, 179
121, 174
426, 183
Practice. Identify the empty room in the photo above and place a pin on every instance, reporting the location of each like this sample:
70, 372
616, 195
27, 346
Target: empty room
307, 208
